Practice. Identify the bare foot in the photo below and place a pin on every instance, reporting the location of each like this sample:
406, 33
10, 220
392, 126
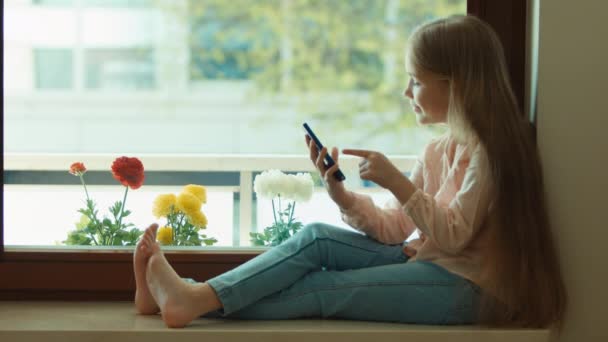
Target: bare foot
179, 302
144, 302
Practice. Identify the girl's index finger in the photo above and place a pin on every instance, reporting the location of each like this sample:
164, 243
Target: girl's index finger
359, 153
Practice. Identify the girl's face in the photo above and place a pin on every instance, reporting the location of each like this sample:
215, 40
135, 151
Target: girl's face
429, 95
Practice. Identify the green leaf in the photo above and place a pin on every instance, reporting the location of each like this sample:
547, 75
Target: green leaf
115, 209
107, 223
78, 237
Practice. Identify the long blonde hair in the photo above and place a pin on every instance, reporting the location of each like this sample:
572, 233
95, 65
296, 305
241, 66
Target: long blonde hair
521, 275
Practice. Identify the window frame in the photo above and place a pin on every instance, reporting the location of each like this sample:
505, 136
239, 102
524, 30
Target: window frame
40, 274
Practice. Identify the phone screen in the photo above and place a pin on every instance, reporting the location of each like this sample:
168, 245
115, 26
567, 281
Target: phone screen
329, 161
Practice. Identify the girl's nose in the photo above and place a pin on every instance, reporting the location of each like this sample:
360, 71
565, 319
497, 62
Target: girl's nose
408, 92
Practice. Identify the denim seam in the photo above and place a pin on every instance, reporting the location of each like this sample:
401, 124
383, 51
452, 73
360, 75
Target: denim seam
289, 257
333, 288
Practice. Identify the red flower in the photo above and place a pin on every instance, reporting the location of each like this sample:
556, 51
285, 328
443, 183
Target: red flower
128, 171
77, 169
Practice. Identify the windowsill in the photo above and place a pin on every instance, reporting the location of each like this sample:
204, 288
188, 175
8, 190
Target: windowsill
117, 321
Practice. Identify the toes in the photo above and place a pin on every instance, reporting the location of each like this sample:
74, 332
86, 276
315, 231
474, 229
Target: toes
154, 228
151, 231
149, 239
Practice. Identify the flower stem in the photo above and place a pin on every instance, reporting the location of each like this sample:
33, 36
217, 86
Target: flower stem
293, 208
274, 212
171, 223
95, 220
179, 227
280, 210
122, 207
94, 240
85, 186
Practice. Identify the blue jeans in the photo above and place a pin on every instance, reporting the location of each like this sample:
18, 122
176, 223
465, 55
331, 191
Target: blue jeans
330, 272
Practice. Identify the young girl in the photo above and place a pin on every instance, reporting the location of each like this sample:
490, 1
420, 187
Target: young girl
485, 253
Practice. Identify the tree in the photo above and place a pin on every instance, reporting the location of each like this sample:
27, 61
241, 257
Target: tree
337, 61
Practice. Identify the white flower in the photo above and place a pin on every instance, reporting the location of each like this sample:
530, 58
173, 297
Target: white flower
304, 187
272, 183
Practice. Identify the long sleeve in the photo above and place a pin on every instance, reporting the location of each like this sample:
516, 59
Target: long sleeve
390, 224
454, 225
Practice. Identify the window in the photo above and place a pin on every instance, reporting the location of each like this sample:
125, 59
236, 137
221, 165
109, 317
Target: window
53, 68
219, 49
53, 2
153, 79
93, 3
126, 69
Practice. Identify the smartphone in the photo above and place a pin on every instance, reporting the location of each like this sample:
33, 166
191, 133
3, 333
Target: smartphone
329, 161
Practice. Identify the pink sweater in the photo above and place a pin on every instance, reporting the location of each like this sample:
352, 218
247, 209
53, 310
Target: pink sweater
449, 209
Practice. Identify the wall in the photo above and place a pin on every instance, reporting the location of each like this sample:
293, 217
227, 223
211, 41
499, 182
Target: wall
572, 118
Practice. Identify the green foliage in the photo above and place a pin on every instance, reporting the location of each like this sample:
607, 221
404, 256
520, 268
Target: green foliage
335, 60
105, 232
282, 229
184, 233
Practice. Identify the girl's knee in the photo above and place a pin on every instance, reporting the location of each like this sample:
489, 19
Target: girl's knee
317, 229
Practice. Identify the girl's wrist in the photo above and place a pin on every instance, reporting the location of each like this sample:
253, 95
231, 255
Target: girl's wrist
402, 188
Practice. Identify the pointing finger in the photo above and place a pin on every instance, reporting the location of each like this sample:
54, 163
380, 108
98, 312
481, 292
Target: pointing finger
359, 153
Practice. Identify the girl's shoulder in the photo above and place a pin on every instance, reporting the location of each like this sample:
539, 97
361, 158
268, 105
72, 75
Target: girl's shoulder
446, 146
438, 146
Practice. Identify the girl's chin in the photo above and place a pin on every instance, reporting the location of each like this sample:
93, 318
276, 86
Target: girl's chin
422, 119
426, 120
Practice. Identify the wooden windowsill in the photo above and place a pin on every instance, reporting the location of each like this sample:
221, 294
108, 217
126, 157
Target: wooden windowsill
117, 321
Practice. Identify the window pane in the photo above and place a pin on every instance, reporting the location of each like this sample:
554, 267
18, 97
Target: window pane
226, 41
53, 2
43, 215
210, 77
126, 69
223, 76
53, 68
118, 3
93, 3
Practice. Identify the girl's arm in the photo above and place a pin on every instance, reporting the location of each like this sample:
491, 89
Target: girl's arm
453, 226
390, 225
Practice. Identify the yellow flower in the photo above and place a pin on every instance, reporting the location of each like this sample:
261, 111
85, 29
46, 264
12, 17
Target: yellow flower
165, 235
188, 203
198, 219
163, 204
197, 190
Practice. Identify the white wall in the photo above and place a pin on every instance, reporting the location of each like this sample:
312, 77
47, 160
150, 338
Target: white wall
572, 118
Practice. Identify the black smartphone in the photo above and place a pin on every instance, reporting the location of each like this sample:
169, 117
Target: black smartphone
329, 161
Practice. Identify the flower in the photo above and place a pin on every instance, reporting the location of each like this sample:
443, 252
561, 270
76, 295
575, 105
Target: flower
188, 203
108, 231
184, 217
164, 235
275, 184
198, 219
129, 172
77, 169
163, 204
198, 191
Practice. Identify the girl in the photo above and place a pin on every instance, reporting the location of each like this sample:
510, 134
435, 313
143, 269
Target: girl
485, 253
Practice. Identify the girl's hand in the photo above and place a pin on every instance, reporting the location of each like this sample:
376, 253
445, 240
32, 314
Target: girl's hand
335, 188
378, 169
